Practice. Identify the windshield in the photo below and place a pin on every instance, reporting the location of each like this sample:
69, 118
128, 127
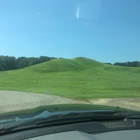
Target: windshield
69, 52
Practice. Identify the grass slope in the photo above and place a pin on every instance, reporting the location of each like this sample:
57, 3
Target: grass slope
74, 78
61, 65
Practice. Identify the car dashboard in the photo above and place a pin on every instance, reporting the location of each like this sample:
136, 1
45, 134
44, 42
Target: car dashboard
102, 130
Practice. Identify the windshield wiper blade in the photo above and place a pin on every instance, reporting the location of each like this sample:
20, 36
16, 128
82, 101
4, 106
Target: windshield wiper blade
54, 118
128, 114
78, 116
46, 114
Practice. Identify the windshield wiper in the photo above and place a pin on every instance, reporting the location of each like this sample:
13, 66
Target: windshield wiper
74, 117
128, 114
45, 118
46, 114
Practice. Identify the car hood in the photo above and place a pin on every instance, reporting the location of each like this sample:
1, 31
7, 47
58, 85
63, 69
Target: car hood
61, 108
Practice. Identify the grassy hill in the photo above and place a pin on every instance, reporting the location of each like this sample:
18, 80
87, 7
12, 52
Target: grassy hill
61, 65
75, 78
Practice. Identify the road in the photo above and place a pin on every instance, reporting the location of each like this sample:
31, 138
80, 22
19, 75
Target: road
13, 100
130, 103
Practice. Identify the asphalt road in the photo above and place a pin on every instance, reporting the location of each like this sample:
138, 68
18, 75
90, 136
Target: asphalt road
13, 100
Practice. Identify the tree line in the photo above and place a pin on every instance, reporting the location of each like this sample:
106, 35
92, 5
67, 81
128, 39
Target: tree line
11, 62
127, 64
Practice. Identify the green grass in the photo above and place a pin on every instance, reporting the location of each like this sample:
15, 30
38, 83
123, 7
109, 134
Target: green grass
75, 78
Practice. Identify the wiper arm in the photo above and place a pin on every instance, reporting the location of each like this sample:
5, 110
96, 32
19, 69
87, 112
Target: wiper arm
129, 115
46, 118
46, 114
78, 116
89, 113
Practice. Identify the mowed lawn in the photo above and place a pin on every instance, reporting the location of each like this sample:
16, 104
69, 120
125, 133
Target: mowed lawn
74, 78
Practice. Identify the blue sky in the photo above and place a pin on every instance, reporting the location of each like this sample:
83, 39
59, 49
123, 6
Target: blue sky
103, 30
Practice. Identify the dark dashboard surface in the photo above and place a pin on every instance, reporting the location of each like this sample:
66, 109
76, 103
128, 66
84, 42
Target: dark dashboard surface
76, 135
105, 130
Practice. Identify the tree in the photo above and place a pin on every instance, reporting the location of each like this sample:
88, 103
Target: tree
128, 64
7, 63
11, 63
22, 62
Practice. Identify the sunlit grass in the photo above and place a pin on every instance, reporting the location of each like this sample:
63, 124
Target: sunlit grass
74, 78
